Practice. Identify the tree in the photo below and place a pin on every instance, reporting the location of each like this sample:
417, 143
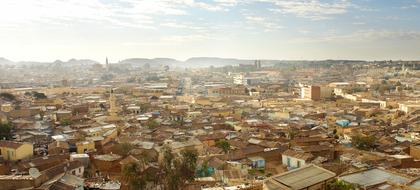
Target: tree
8, 96
177, 172
66, 122
340, 185
170, 178
125, 148
152, 124
188, 164
224, 145
102, 106
6, 131
132, 173
38, 95
363, 142
292, 133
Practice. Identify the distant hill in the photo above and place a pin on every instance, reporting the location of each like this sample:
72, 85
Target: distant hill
4, 61
215, 61
71, 62
156, 62
159, 62
192, 62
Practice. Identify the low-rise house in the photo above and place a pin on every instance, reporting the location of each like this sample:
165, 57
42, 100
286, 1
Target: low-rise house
257, 162
58, 147
85, 146
308, 177
232, 177
13, 151
294, 159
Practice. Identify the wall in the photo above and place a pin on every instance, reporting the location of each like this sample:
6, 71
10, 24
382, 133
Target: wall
293, 161
25, 151
415, 151
90, 145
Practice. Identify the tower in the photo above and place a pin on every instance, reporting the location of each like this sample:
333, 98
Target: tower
113, 108
106, 64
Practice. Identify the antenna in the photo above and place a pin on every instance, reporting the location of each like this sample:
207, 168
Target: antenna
33, 172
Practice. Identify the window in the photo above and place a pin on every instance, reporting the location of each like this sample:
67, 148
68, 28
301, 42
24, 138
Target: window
288, 161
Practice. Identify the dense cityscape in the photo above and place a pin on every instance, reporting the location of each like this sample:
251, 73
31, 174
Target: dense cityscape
230, 124
209, 94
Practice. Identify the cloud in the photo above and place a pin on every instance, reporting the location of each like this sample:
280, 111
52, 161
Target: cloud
52, 12
266, 24
363, 36
409, 7
313, 9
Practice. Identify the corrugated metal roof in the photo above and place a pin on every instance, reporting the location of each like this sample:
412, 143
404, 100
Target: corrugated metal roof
303, 177
373, 177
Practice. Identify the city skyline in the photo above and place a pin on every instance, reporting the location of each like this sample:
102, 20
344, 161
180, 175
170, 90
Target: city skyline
254, 29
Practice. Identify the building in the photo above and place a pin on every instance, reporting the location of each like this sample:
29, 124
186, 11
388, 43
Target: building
293, 159
257, 162
62, 115
409, 107
308, 177
316, 92
13, 151
85, 146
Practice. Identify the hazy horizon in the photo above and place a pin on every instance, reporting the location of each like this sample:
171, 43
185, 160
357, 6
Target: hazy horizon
48, 30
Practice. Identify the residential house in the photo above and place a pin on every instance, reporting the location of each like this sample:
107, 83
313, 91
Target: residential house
13, 151
294, 159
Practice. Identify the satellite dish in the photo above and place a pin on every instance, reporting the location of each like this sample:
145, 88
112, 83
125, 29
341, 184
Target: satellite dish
33, 172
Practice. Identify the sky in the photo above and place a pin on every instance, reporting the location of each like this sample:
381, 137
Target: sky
47, 30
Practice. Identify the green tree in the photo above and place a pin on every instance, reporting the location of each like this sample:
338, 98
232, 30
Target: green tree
170, 178
363, 142
177, 172
38, 95
66, 122
125, 148
188, 164
292, 133
340, 185
7, 96
152, 124
132, 173
6, 131
224, 145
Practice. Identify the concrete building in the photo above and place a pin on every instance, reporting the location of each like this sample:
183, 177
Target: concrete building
13, 151
316, 92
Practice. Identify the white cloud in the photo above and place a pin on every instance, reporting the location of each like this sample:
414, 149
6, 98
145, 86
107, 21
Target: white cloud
311, 9
261, 22
363, 36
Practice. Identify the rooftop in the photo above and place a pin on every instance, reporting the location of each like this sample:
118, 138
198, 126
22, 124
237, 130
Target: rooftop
300, 178
373, 177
